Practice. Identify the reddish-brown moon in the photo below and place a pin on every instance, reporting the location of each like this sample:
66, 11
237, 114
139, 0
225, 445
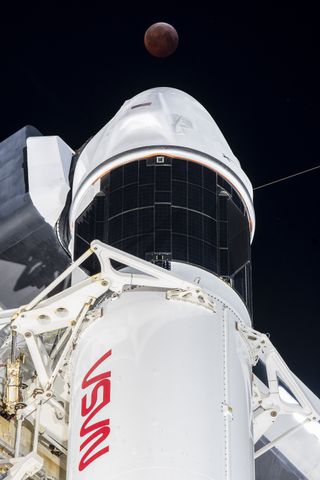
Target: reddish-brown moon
161, 39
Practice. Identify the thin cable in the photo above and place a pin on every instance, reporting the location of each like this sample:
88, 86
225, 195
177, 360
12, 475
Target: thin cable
286, 178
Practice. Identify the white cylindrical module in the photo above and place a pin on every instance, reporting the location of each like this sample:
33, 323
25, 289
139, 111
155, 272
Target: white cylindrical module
161, 389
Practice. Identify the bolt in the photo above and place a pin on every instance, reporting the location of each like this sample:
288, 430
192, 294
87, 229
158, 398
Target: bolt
28, 334
273, 413
48, 394
72, 323
37, 391
104, 283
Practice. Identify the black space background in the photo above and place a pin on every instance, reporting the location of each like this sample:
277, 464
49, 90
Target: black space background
68, 70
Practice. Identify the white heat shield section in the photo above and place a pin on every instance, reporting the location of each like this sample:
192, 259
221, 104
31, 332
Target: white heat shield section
161, 391
49, 160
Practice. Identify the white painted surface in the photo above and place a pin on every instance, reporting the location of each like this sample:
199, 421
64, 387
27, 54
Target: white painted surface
213, 283
167, 122
173, 367
49, 160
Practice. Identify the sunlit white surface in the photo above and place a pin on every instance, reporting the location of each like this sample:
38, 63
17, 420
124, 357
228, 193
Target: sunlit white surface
49, 160
286, 397
159, 121
180, 405
312, 426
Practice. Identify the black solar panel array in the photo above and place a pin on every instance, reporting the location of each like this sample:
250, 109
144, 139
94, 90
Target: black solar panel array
163, 209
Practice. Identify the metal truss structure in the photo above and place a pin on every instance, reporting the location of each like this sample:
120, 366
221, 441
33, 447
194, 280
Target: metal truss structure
70, 311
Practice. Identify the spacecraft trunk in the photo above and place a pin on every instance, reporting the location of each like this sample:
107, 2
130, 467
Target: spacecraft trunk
161, 389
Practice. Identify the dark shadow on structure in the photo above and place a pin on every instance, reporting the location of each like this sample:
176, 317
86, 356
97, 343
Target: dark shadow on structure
30, 254
273, 465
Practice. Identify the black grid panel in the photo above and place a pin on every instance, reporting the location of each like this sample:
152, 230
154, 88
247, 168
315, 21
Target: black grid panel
162, 209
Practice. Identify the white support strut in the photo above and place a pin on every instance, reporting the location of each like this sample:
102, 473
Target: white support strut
66, 312
267, 407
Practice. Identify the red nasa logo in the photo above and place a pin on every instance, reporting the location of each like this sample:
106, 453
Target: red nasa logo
94, 433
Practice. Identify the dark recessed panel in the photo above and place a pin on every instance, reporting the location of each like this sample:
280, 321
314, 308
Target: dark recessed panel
130, 197
223, 234
130, 245
130, 224
224, 262
210, 256
180, 220
239, 282
209, 204
179, 247
195, 251
195, 173
162, 216
195, 195
165, 209
115, 202
163, 241
145, 245
163, 197
179, 170
146, 220
163, 178
146, 174
115, 229
195, 224
209, 179
209, 230
146, 195
130, 171
238, 237
222, 205
116, 178
179, 193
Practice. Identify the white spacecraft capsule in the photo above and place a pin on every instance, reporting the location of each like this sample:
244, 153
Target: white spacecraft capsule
161, 382
141, 366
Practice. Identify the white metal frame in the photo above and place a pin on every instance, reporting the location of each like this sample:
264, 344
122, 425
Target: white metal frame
268, 406
68, 310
